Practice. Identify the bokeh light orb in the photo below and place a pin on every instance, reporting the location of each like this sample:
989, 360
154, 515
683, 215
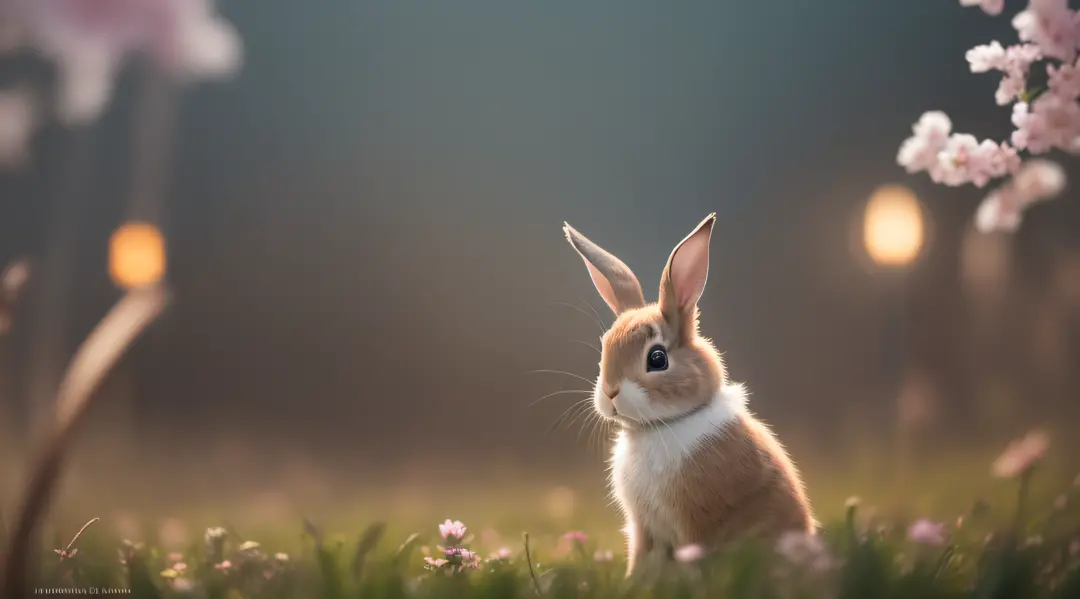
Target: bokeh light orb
136, 255
893, 228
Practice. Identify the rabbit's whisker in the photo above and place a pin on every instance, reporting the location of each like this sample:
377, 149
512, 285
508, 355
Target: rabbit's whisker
589, 345
563, 372
595, 313
563, 392
577, 405
595, 320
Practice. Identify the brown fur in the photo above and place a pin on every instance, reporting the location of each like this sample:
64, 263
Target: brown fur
740, 484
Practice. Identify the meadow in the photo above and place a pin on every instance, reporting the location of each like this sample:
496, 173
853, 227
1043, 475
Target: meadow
1019, 539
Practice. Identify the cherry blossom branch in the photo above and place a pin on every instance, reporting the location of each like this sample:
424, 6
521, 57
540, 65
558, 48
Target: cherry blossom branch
1045, 118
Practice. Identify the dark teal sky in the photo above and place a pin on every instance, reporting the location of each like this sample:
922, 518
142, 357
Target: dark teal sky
365, 225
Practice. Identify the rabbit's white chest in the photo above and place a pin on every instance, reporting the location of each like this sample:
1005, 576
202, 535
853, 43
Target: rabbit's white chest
645, 464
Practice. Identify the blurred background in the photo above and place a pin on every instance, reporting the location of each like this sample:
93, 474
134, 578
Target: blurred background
366, 262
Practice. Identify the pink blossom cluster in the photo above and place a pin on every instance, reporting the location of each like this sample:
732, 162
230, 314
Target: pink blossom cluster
1043, 120
91, 40
954, 158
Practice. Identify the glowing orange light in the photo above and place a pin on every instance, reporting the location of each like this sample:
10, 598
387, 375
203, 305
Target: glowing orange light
893, 226
136, 255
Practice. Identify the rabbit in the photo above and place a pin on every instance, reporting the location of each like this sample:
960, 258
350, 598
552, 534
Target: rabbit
691, 465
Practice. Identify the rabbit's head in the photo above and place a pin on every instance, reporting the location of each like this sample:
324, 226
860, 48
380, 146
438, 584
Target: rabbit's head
654, 366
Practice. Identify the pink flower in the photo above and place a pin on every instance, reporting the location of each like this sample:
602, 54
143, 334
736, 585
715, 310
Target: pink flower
999, 211
1014, 62
1002, 210
225, 565
1064, 80
1022, 455
920, 151
435, 563
461, 557
576, 536
1051, 121
1052, 26
1017, 62
927, 532
965, 160
91, 39
805, 549
502, 553
990, 7
452, 530
986, 57
689, 553
1039, 179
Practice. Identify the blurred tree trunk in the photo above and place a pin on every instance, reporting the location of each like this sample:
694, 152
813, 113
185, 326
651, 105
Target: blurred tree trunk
50, 287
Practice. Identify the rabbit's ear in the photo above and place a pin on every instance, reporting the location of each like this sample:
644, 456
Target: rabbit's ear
613, 279
684, 278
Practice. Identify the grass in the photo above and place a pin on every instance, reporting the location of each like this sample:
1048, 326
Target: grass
1030, 552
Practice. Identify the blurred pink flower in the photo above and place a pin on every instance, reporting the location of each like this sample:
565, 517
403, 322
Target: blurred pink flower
435, 563
1022, 455
502, 553
1018, 60
604, 556
1051, 121
462, 558
1039, 179
175, 557
225, 565
1064, 80
1002, 209
452, 530
90, 40
990, 7
927, 532
576, 536
805, 549
1051, 25
689, 553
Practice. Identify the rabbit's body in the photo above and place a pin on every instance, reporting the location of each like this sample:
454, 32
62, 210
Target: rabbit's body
706, 479
691, 465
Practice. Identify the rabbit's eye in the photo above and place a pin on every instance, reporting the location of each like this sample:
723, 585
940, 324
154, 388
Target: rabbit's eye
657, 359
